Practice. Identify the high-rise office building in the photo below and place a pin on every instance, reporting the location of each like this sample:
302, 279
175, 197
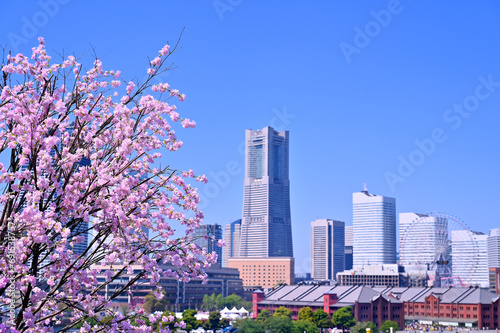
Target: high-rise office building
374, 229
207, 236
232, 236
470, 257
266, 229
348, 247
327, 249
422, 238
494, 248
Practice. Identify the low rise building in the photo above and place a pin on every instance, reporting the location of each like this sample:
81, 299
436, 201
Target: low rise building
180, 295
265, 272
373, 275
367, 304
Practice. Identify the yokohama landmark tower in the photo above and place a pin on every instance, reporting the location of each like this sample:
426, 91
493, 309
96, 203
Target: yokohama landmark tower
266, 229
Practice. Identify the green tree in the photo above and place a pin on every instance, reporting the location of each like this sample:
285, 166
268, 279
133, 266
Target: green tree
386, 326
188, 316
213, 322
263, 315
279, 324
321, 319
361, 327
151, 304
208, 303
301, 326
282, 312
306, 314
219, 302
247, 325
343, 317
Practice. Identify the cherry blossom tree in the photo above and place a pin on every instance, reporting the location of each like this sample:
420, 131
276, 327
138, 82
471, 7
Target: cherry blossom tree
53, 116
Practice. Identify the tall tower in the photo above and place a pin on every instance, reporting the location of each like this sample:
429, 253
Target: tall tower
374, 229
327, 249
266, 229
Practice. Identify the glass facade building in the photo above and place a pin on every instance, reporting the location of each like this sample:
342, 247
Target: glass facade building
266, 229
232, 236
327, 249
203, 238
374, 229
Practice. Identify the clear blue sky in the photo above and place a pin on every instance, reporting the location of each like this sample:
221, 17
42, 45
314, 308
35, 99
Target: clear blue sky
353, 102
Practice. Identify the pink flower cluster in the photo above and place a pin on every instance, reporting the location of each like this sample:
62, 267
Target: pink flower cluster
50, 194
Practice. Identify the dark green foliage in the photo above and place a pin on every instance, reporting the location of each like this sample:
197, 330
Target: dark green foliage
188, 316
247, 325
321, 319
213, 322
279, 324
301, 326
343, 317
386, 325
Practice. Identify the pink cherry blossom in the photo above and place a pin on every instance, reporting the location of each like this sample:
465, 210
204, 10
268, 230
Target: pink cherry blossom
86, 157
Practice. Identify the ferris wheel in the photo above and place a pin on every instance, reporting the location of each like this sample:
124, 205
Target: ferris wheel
444, 244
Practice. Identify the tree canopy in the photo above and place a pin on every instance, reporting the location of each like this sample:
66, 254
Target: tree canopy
343, 317
306, 313
386, 326
282, 312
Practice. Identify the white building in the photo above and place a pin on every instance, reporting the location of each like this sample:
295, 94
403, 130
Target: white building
422, 239
327, 249
266, 228
470, 257
374, 229
494, 248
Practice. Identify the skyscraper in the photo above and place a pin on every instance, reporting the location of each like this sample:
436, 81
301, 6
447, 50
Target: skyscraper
232, 236
348, 247
266, 229
374, 229
327, 249
210, 230
470, 257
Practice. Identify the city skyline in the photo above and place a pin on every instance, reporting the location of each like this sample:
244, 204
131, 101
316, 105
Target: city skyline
397, 107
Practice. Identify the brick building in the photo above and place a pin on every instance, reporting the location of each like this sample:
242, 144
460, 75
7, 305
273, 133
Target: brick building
367, 304
473, 307
450, 306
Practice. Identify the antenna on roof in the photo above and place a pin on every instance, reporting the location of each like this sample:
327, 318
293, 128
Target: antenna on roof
365, 189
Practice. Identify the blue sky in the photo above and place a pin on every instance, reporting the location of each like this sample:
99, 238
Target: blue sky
356, 83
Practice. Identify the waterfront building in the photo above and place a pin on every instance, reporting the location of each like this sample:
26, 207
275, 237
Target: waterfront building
180, 295
374, 229
327, 249
266, 229
232, 237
